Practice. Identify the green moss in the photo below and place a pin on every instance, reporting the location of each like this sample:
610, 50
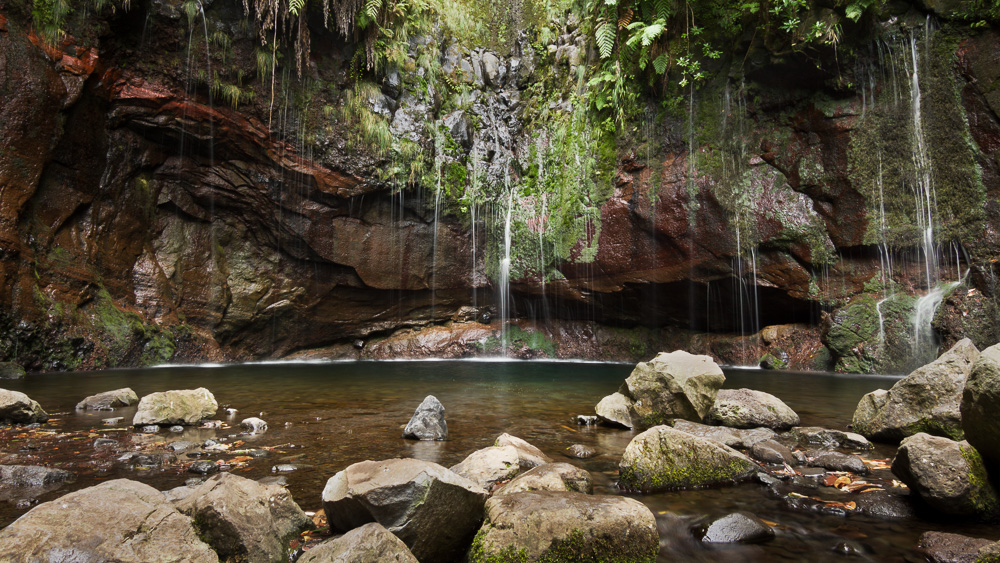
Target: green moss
577, 548
982, 494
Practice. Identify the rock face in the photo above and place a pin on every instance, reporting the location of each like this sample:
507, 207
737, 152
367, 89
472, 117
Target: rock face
671, 385
243, 520
550, 477
927, 400
109, 400
948, 475
980, 405
563, 526
431, 509
370, 543
662, 458
186, 407
747, 408
118, 520
18, 408
10, 370
428, 422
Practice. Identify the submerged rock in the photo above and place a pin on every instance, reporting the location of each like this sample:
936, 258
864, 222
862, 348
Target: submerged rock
186, 407
109, 400
738, 527
948, 475
433, 510
747, 408
981, 405
370, 543
551, 477
428, 422
18, 408
830, 438
663, 458
32, 476
254, 425
580, 451
836, 461
565, 526
121, 520
928, 400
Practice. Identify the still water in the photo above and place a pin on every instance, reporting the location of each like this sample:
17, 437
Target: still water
324, 417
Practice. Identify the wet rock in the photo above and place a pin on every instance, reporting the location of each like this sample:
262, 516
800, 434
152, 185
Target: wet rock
433, 510
528, 456
10, 370
493, 71
284, 468
663, 458
830, 438
18, 408
109, 400
460, 127
243, 520
279, 480
580, 451
176, 429
489, 466
836, 461
586, 420
565, 526
428, 422
927, 400
948, 475
848, 548
747, 408
32, 476
186, 407
103, 442
113, 420
740, 438
370, 543
204, 467
137, 525
885, 505
770, 451
672, 385
941, 547
181, 446
149, 429
738, 527
551, 477
614, 410
254, 425
980, 405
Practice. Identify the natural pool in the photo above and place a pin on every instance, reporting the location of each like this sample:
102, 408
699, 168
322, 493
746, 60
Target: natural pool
324, 417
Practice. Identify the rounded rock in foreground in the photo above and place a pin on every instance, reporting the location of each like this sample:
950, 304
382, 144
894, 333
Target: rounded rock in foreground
980, 405
427, 422
950, 476
18, 408
109, 400
370, 543
748, 408
738, 527
563, 526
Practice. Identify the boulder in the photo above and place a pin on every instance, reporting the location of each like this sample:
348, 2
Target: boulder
18, 408
243, 520
928, 400
370, 543
738, 527
941, 547
770, 451
188, 406
120, 520
427, 423
741, 438
948, 475
830, 438
672, 385
32, 476
663, 458
747, 408
528, 456
836, 461
614, 410
980, 405
109, 400
564, 526
551, 477
10, 370
489, 466
433, 510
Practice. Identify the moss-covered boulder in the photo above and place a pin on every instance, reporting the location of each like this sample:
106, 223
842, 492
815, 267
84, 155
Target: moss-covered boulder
553, 526
18, 408
672, 385
663, 458
928, 400
950, 476
748, 408
980, 405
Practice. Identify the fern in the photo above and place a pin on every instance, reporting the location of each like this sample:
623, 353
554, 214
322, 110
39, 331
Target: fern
372, 8
660, 63
294, 6
605, 35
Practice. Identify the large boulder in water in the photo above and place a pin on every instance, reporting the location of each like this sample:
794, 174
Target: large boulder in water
10, 370
981, 405
188, 406
18, 408
244, 520
747, 408
671, 385
948, 475
109, 400
565, 526
615, 410
370, 543
927, 400
427, 422
551, 477
501, 462
433, 510
123, 521
663, 458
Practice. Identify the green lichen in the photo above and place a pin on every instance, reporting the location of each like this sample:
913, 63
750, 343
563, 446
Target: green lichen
578, 547
982, 495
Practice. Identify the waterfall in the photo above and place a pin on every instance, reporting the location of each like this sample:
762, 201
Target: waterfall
438, 144
505, 275
926, 200
925, 345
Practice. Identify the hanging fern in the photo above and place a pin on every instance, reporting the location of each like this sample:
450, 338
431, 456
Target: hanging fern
660, 63
372, 8
605, 34
294, 6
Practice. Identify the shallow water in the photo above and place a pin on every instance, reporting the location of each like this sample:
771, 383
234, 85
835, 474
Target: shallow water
327, 416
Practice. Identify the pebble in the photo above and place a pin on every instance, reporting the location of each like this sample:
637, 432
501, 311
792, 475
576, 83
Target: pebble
284, 468
203, 467
586, 419
113, 421
181, 445
209, 443
177, 428
26, 503
151, 429
104, 442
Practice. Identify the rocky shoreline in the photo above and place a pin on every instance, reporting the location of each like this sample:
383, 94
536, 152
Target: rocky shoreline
511, 501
